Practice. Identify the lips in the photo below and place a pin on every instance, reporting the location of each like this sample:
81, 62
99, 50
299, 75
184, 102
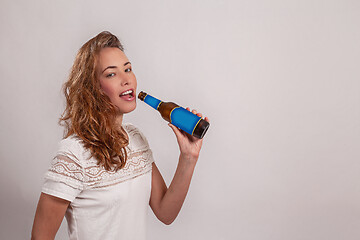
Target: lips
128, 95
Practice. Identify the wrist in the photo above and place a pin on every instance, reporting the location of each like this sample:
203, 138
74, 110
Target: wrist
187, 158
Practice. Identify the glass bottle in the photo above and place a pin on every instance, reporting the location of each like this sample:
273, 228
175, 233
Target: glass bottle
178, 116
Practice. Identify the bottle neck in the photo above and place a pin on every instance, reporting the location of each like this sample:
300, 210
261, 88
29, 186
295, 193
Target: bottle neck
151, 101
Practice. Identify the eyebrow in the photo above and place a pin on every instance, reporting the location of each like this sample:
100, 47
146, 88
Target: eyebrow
115, 66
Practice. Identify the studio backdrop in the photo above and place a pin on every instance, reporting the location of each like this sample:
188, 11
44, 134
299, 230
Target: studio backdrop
279, 81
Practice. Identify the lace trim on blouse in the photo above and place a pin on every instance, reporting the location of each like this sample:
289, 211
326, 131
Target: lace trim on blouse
67, 169
74, 166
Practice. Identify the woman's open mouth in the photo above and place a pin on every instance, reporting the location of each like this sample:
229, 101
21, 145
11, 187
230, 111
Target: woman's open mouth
128, 95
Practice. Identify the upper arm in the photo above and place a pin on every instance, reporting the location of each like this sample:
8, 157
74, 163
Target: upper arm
158, 190
48, 217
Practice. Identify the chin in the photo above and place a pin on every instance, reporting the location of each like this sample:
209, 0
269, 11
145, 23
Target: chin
128, 109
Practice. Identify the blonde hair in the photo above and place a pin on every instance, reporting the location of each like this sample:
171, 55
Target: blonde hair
89, 113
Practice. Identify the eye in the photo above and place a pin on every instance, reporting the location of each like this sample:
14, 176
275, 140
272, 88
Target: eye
128, 70
110, 75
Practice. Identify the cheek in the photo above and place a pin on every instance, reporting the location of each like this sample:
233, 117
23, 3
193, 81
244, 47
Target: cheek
107, 88
135, 82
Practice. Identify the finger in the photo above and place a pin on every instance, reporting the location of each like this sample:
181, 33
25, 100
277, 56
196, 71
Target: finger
188, 108
207, 119
194, 111
199, 114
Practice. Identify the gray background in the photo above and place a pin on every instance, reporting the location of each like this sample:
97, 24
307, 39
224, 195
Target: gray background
278, 79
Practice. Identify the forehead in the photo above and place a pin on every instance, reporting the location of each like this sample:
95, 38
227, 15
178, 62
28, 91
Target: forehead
111, 56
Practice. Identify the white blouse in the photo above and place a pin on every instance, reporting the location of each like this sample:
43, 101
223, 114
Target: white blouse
104, 204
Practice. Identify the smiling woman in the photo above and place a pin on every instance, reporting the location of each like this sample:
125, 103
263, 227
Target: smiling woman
93, 99
116, 78
103, 176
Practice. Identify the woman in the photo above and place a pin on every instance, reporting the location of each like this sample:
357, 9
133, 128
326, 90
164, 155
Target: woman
103, 176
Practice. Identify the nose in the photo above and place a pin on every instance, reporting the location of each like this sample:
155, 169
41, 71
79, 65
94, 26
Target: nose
125, 80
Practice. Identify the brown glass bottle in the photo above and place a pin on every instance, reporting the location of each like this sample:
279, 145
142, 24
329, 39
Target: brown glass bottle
178, 116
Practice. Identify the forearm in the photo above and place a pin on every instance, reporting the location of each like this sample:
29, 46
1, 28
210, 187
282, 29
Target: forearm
175, 195
167, 202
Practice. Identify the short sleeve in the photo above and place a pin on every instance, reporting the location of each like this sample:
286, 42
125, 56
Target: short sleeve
65, 177
138, 142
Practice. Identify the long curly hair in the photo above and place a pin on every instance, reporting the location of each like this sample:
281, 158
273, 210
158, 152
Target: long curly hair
89, 113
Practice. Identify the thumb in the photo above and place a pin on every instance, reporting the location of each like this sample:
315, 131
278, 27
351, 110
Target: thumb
177, 132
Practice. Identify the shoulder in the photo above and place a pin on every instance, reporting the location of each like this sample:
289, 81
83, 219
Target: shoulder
137, 139
70, 143
73, 148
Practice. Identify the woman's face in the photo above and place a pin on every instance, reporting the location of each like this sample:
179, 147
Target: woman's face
116, 78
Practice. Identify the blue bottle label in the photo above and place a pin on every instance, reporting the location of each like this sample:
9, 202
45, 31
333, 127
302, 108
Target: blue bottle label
153, 102
184, 119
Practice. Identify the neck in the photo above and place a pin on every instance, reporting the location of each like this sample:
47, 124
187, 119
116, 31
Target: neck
118, 121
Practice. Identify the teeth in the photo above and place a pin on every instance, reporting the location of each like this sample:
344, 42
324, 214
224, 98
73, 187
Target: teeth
127, 92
